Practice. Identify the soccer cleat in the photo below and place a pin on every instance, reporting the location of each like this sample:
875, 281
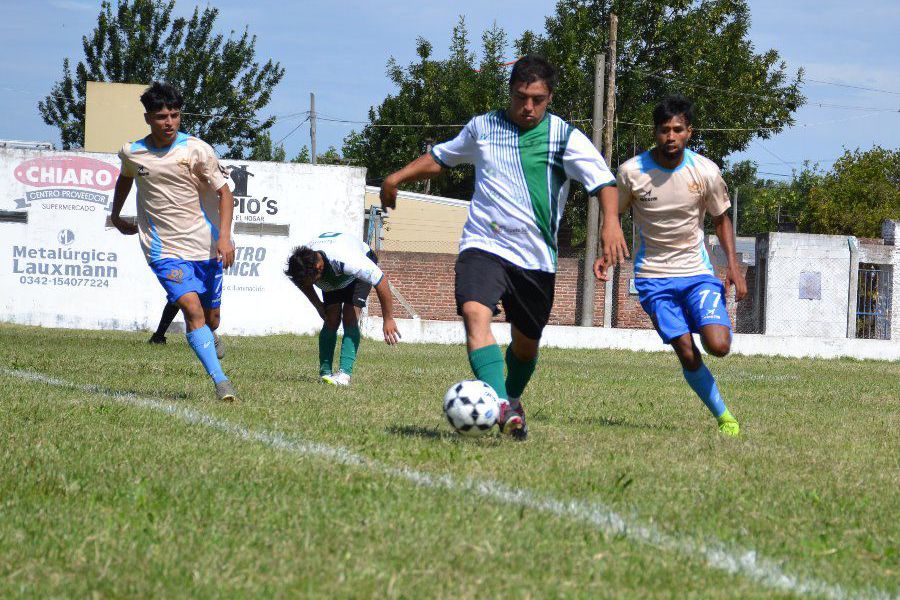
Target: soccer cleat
325, 378
728, 425
157, 339
512, 419
220, 346
338, 378
225, 391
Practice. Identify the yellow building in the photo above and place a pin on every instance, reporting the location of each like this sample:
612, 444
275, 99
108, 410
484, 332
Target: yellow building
421, 223
113, 114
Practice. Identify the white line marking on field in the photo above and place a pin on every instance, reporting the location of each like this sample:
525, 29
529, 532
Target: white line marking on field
718, 555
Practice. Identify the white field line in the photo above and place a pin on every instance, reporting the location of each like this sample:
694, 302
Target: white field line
716, 554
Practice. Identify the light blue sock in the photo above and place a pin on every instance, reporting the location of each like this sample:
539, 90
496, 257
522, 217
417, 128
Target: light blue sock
703, 382
201, 340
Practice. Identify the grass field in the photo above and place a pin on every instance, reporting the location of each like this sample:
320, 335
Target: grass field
121, 476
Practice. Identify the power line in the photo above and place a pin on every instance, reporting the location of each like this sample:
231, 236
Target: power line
293, 130
855, 87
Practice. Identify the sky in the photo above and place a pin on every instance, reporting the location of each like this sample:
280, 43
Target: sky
339, 51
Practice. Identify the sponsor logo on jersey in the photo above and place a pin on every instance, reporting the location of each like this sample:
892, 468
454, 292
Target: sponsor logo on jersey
648, 197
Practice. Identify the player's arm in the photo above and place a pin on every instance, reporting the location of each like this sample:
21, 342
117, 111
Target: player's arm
424, 167
615, 249
733, 275
225, 247
311, 295
383, 291
461, 149
123, 188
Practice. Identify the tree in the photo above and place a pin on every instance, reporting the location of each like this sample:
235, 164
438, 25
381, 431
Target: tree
858, 194
264, 149
698, 47
435, 99
137, 41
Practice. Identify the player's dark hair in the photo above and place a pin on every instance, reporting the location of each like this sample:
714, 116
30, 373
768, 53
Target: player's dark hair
301, 265
531, 68
161, 95
675, 105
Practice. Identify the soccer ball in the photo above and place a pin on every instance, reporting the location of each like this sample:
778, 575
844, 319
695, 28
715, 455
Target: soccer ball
471, 407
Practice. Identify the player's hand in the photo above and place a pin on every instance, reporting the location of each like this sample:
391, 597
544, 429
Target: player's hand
734, 276
391, 333
601, 270
225, 252
125, 227
388, 193
615, 249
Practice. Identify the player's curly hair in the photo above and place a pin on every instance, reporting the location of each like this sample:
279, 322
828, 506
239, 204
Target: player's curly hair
161, 95
301, 265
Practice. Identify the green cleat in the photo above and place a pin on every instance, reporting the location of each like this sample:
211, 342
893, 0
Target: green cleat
728, 425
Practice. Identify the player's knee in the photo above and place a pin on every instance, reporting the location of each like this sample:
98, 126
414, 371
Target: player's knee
718, 346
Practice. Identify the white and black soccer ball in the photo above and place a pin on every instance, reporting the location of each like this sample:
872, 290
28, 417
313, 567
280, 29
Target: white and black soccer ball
471, 407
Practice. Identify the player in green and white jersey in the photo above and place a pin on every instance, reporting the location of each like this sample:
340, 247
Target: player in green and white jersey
524, 159
346, 270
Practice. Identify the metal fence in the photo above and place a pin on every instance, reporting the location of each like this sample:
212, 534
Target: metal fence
873, 302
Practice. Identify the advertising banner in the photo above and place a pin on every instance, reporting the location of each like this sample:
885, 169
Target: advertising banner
65, 267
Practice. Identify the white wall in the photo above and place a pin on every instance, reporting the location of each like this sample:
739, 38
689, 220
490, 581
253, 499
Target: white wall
102, 280
792, 258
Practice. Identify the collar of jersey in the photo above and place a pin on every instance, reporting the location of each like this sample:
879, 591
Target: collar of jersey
513, 123
180, 140
685, 159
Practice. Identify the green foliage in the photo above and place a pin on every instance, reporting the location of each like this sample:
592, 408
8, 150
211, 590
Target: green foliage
264, 149
329, 157
861, 192
661, 44
137, 41
433, 94
854, 197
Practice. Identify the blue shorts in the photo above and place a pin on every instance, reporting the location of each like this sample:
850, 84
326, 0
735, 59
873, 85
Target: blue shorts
179, 277
680, 305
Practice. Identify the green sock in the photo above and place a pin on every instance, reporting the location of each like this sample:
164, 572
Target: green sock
349, 346
519, 373
327, 342
487, 364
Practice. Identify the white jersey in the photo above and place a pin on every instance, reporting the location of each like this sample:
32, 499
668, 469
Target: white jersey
521, 183
346, 259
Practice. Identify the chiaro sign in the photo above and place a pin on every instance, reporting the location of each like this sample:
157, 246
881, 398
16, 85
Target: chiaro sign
66, 182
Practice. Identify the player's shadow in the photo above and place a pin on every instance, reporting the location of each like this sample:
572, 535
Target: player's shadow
615, 422
420, 432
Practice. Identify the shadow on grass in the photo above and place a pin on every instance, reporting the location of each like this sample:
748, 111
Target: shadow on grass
421, 432
616, 422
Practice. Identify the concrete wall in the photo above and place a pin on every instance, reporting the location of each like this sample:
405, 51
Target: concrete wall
65, 268
806, 284
113, 114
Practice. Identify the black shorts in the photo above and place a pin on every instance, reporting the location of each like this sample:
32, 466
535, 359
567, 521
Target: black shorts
526, 294
355, 293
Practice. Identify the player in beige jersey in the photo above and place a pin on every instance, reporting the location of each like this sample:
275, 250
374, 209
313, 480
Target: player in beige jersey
670, 189
184, 210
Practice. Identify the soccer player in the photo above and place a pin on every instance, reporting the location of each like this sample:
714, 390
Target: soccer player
184, 210
346, 270
524, 158
670, 189
165, 321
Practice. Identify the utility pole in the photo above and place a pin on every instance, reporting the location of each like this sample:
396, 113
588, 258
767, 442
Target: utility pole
736, 192
608, 149
589, 282
312, 127
428, 143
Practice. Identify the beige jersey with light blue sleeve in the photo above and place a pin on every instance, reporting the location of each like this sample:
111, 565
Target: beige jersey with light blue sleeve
177, 200
669, 206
